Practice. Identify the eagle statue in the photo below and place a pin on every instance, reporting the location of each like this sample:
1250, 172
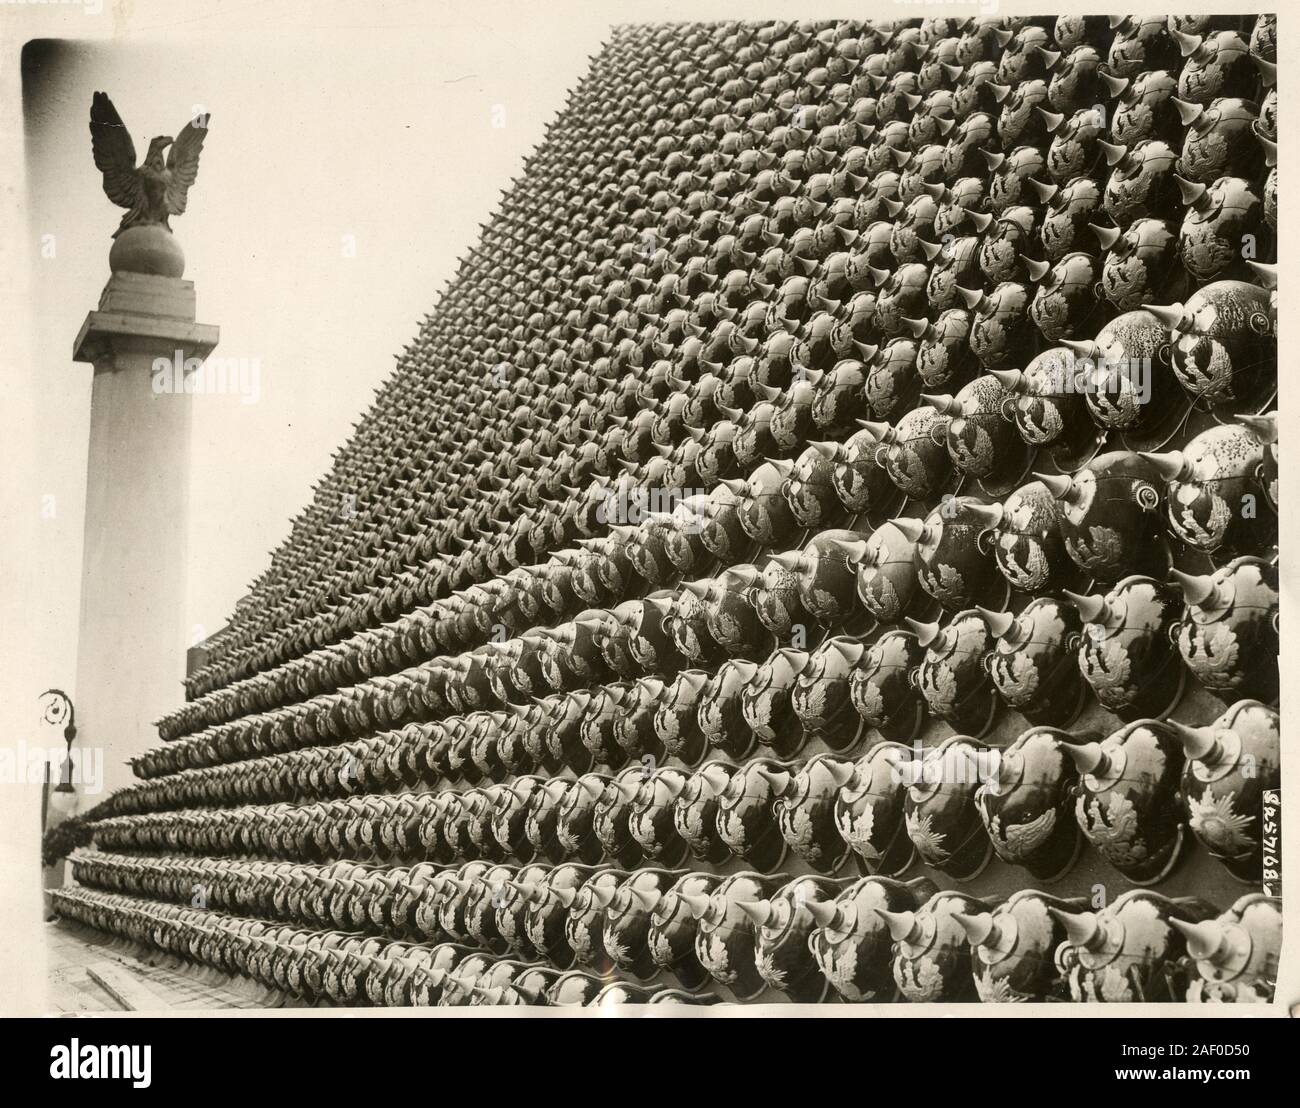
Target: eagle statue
156, 189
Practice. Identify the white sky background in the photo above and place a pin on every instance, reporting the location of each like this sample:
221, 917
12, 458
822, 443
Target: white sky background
380, 132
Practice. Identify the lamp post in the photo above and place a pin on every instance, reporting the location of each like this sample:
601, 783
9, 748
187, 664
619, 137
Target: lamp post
57, 708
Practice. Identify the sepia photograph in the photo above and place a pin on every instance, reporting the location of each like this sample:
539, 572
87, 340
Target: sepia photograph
672, 509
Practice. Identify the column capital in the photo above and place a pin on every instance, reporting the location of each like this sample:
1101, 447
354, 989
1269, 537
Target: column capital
143, 314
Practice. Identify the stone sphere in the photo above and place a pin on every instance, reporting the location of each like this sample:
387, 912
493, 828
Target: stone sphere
151, 249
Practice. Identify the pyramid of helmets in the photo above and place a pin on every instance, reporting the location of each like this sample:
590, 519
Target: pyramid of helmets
820, 548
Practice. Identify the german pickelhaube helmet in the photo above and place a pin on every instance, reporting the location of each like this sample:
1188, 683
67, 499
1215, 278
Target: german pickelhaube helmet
1013, 947
1127, 653
1109, 513
1223, 346
853, 944
1229, 635
1034, 664
1129, 951
783, 926
1047, 409
1027, 806
1128, 799
1128, 382
932, 957
1236, 953
1210, 489
1231, 763
940, 814
981, 443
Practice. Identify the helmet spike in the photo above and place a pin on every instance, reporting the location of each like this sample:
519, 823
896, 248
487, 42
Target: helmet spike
1060, 485
1266, 273
1172, 465
1093, 609
1037, 270
1198, 742
779, 779
717, 777
990, 515
999, 622
1264, 426
879, 431
1171, 315
903, 926
853, 551
788, 560
593, 789
1187, 44
1197, 589
760, 911
826, 913
1204, 940
931, 250
1114, 153
1107, 236
697, 903
1188, 112
1194, 194
942, 403
1115, 86
979, 927
1087, 757
841, 772
1043, 190
1052, 119
925, 633
646, 898
913, 529
1081, 928
602, 895
675, 785
1013, 380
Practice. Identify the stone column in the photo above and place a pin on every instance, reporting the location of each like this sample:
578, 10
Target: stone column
132, 642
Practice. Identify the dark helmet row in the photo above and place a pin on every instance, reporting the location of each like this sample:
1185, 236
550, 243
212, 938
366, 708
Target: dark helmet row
580, 935
1133, 795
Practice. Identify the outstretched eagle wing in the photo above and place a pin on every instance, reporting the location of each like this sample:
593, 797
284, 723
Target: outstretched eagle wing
183, 164
114, 153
